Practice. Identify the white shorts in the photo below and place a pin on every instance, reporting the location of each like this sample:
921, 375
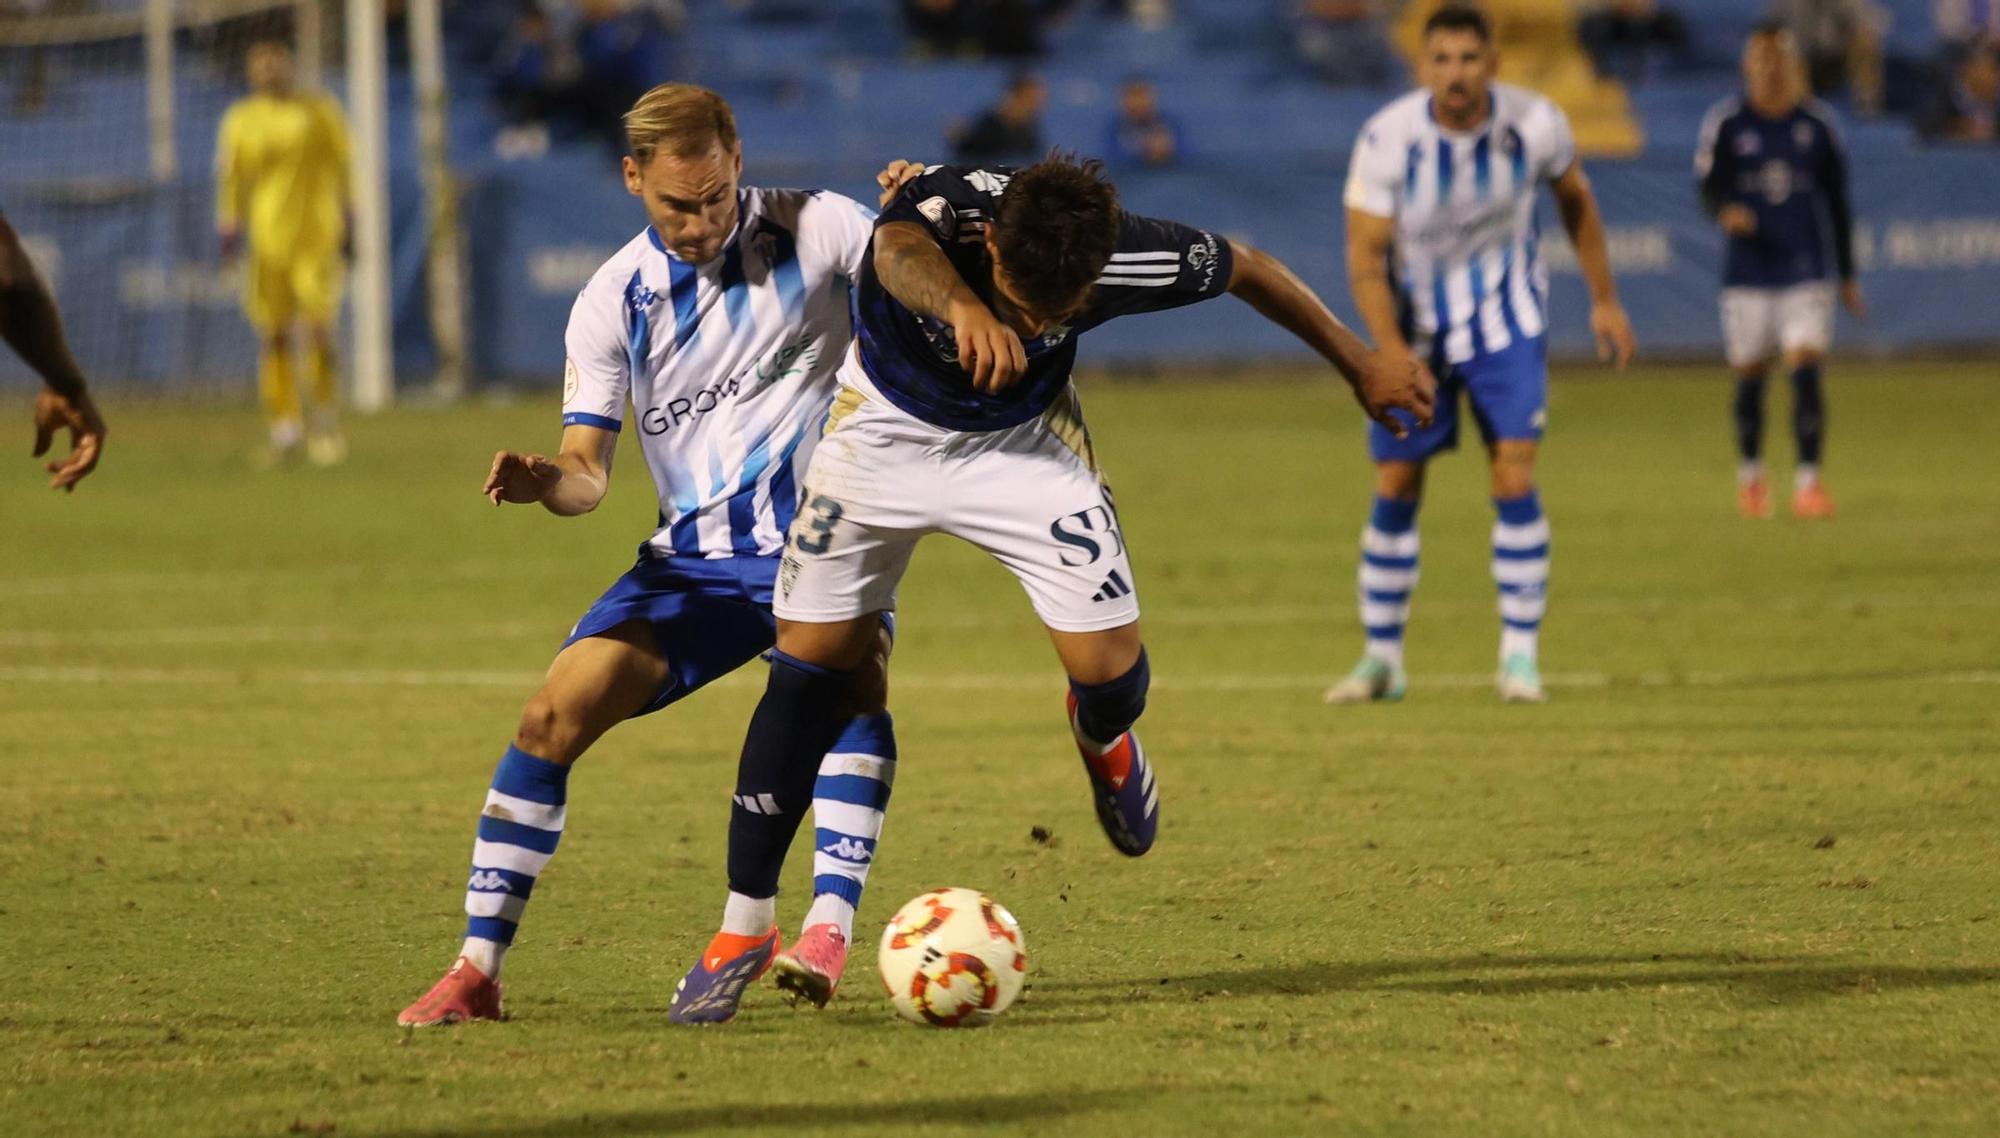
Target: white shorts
1030, 495
1758, 324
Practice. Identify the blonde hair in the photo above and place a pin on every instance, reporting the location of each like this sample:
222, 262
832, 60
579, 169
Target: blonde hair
680, 118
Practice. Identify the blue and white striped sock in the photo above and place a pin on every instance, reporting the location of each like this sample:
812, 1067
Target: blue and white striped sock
518, 832
848, 802
1521, 569
1387, 577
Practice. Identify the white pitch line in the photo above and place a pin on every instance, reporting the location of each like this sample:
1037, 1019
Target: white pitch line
1035, 682
1162, 616
199, 634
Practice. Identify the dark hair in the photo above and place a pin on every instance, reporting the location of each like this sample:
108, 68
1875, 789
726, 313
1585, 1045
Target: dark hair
1460, 18
1770, 29
1057, 228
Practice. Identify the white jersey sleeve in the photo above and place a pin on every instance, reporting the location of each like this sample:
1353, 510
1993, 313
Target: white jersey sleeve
1376, 171
834, 232
1550, 140
597, 373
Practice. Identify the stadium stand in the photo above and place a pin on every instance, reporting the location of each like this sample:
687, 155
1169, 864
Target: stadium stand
826, 91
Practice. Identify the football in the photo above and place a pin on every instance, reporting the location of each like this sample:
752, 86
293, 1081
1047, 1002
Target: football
953, 958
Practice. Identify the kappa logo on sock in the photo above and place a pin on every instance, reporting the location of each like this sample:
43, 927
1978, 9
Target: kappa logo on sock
848, 849
488, 881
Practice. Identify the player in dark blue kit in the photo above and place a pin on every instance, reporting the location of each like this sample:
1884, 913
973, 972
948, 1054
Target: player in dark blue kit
956, 415
1774, 176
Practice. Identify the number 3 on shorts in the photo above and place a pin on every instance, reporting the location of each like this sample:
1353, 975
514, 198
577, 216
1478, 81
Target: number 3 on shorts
815, 531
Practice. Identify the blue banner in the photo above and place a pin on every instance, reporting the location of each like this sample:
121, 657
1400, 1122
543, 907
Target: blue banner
147, 302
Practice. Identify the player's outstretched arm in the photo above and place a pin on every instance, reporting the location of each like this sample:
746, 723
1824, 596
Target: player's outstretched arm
1382, 381
1585, 226
32, 326
571, 483
916, 272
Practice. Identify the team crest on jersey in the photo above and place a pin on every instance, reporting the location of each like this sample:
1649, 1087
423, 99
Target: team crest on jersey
1748, 142
1802, 135
941, 215
764, 243
1775, 179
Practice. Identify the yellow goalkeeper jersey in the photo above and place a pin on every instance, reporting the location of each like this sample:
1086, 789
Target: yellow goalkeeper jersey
281, 174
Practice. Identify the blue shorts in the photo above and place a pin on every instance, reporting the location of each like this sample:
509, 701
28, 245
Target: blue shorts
709, 616
1509, 392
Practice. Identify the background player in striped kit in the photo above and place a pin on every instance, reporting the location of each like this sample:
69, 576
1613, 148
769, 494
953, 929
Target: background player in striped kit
1774, 176
1443, 262
722, 323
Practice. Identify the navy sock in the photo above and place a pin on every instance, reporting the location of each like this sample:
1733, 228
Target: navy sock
1107, 710
794, 725
1749, 417
1808, 414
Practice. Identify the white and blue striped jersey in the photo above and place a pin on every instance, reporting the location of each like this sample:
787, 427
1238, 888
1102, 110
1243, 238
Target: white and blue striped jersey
728, 366
1466, 261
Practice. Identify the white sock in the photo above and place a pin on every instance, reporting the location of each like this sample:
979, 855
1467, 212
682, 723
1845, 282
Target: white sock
828, 907
286, 433
1750, 472
1390, 652
1805, 477
749, 916
1518, 642
485, 955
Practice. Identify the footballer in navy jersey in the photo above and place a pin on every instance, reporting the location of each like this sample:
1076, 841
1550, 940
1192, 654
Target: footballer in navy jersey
1773, 175
913, 358
957, 416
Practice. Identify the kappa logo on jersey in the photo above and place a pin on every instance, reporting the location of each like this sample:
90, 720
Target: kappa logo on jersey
488, 881
848, 849
987, 182
1086, 534
641, 298
940, 214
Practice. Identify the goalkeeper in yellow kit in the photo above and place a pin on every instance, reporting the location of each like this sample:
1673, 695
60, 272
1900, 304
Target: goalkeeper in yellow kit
282, 192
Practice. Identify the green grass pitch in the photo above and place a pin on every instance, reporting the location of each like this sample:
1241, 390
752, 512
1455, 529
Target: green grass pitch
1739, 876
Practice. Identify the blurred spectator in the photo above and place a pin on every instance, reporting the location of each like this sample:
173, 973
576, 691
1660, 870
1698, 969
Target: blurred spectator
1963, 25
1010, 131
1142, 134
532, 75
1968, 108
1842, 45
940, 27
1012, 29
1344, 42
1626, 37
997, 29
621, 52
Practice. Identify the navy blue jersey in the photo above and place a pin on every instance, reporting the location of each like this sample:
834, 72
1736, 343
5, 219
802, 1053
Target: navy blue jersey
1791, 172
913, 359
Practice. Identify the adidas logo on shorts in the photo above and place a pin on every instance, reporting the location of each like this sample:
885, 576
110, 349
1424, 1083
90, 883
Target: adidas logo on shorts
1114, 587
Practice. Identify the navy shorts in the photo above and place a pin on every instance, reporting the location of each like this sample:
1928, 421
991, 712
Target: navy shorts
710, 616
1509, 393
